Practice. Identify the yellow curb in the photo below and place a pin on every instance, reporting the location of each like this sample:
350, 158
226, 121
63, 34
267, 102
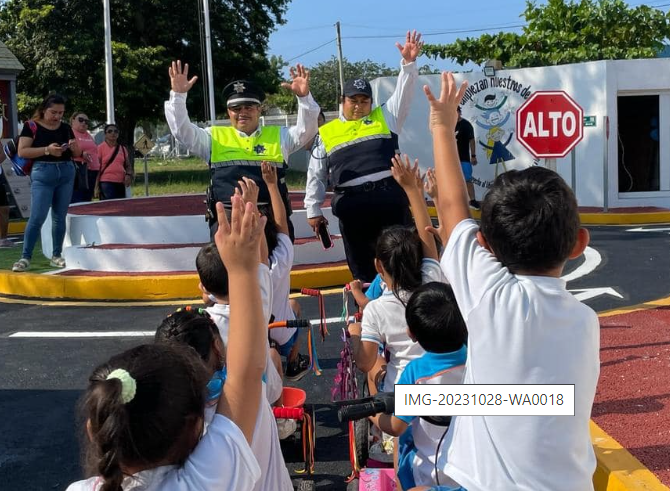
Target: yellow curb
617, 469
661, 302
654, 217
16, 228
141, 288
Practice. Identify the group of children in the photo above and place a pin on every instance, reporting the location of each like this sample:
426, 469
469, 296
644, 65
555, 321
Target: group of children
193, 410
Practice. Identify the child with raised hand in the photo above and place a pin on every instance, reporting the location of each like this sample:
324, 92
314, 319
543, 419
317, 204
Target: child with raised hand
280, 253
405, 259
195, 328
434, 321
144, 408
524, 326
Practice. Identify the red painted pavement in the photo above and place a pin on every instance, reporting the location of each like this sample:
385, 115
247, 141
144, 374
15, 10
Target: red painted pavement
161, 206
633, 397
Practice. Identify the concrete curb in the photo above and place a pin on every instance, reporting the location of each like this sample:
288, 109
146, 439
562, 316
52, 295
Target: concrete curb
617, 469
652, 217
141, 288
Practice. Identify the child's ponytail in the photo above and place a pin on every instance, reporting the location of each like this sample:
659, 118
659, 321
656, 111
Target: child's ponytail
399, 250
109, 422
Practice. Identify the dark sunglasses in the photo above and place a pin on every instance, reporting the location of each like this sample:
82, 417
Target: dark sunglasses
82, 120
111, 131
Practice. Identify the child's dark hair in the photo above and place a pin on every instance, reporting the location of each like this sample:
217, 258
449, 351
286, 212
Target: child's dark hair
530, 220
271, 230
213, 273
192, 327
434, 319
400, 252
157, 425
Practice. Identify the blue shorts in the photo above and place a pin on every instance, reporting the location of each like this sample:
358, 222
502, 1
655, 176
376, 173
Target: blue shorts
285, 348
466, 167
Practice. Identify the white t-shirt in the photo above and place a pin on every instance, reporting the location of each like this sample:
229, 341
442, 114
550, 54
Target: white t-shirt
265, 442
521, 330
222, 461
384, 323
281, 262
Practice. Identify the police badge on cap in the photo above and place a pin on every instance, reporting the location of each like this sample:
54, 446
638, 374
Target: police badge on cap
242, 92
357, 87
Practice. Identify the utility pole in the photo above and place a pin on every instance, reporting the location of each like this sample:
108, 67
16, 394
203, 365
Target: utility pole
109, 77
210, 70
341, 60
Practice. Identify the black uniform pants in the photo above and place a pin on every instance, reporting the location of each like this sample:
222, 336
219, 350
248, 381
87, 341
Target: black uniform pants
363, 213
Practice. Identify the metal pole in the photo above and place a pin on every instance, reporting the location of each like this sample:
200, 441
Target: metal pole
341, 60
109, 76
146, 176
606, 129
208, 52
550, 164
573, 171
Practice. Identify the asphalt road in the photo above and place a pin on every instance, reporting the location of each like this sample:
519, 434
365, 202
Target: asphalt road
41, 378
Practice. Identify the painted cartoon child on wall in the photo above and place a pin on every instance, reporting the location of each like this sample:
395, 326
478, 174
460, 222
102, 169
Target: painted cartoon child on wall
496, 149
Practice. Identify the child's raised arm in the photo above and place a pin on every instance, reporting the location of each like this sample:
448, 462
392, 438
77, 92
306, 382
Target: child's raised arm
238, 244
410, 181
452, 199
278, 210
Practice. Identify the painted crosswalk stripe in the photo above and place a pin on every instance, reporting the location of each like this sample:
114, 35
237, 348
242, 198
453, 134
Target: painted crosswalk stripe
116, 334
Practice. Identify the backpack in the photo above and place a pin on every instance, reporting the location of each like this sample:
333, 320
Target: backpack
21, 166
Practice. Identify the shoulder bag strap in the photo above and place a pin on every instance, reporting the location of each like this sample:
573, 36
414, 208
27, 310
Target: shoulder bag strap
114, 154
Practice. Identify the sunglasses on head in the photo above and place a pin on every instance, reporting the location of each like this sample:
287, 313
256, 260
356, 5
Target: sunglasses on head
82, 120
111, 130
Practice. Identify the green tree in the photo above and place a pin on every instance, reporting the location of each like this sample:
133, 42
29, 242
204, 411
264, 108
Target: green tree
61, 45
324, 78
567, 32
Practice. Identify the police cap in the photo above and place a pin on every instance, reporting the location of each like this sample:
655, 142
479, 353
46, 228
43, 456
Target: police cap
243, 92
357, 86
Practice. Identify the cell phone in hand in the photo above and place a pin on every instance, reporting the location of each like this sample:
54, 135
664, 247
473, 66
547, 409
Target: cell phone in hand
64, 146
324, 235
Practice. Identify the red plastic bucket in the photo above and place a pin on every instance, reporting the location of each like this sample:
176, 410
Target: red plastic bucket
293, 397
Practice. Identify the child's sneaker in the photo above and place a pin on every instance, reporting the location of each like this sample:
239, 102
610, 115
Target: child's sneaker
475, 204
286, 427
57, 262
21, 265
298, 368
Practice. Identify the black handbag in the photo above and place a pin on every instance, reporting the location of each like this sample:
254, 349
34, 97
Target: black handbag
81, 176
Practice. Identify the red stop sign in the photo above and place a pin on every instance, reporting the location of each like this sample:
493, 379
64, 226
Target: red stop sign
549, 124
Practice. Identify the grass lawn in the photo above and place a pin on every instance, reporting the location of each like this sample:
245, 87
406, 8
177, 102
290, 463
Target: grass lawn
38, 264
188, 176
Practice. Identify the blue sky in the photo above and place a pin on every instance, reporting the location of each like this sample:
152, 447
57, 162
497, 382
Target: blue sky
310, 24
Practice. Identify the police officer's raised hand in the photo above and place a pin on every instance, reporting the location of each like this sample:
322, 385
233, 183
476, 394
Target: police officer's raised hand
412, 47
300, 81
179, 81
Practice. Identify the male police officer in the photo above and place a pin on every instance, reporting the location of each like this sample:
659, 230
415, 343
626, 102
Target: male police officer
238, 150
355, 152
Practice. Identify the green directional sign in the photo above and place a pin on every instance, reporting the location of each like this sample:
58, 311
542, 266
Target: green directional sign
589, 121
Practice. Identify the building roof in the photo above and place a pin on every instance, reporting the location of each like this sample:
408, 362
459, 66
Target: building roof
7, 59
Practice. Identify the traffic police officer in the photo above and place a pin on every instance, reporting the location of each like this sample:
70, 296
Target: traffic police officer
354, 153
238, 150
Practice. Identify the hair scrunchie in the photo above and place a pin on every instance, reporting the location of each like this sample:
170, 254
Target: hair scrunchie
128, 384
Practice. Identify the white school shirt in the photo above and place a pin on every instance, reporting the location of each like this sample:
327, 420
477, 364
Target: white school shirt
265, 441
281, 262
395, 111
521, 330
384, 323
222, 461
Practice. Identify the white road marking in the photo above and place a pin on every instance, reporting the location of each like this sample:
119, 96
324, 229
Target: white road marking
589, 293
592, 260
116, 334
